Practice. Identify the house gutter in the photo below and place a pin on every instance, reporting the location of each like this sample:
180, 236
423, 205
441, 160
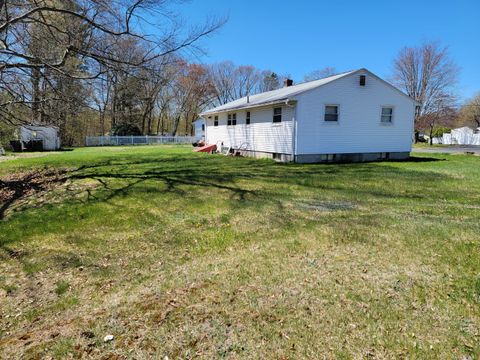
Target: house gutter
247, 106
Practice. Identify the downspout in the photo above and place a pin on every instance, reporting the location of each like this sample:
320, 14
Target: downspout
294, 125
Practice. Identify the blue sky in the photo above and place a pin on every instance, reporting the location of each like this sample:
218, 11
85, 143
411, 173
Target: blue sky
296, 37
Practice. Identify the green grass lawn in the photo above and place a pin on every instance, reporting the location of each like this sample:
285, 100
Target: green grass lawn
199, 256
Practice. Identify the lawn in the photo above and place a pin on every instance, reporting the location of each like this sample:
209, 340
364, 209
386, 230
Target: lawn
185, 255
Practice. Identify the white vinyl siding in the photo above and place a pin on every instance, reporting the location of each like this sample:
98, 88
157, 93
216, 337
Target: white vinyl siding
261, 135
359, 129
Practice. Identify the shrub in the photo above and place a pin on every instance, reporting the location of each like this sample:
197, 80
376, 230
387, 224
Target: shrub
126, 129
440, 130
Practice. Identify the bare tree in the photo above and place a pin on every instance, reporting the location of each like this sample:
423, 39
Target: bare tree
428, 75
222, 76
270, 81
232, 82
320, 74
470, 113
193, 91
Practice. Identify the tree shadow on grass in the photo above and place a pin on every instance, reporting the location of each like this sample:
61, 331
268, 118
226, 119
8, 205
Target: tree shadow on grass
417, 159
17, 186
260, 180
234, 175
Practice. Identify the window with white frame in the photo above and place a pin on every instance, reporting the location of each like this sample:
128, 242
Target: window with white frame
277, 115
387, 114
232, 119
331, 112
247, 119
215, 121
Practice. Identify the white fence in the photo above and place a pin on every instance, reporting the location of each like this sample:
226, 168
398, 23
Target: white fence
138, 140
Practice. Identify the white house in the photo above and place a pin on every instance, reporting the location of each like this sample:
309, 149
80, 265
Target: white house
353, 116
460, 136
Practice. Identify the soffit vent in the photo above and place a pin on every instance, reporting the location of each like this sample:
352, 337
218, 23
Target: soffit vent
363, 80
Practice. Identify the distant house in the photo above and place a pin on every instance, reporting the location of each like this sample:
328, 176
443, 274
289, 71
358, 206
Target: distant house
199, 128
353, 116
461, 136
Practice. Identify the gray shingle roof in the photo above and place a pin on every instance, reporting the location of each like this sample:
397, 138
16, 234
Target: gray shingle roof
275, 95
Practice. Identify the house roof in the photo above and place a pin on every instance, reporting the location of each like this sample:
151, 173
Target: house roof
275, 96
284, 94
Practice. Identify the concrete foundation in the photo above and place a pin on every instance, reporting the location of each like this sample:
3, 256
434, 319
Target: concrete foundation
355, 157
267, 155
327, 158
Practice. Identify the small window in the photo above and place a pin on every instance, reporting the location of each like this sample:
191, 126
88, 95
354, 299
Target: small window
203, 127
215, 121
363, 80
232, 119
387, 114
331, 113
277, 115
247, 120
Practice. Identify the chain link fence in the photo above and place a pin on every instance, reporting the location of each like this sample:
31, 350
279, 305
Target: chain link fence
138, 140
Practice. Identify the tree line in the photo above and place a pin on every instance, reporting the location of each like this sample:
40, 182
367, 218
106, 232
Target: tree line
90, 67
96, 67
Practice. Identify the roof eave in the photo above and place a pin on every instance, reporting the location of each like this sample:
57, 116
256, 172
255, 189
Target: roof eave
250, 106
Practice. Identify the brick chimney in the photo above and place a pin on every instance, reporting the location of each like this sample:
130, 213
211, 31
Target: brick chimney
288, 83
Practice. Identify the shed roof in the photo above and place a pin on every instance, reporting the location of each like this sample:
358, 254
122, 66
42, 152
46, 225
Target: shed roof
39, 127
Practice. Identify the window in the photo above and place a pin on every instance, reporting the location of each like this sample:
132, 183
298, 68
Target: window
232, 119
363, 80
277, 115
203, 127
215, 121
331, 113
387, 114
247, 121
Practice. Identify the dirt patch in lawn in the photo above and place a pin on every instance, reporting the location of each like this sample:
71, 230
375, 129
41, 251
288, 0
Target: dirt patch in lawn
19, 188
26, 155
